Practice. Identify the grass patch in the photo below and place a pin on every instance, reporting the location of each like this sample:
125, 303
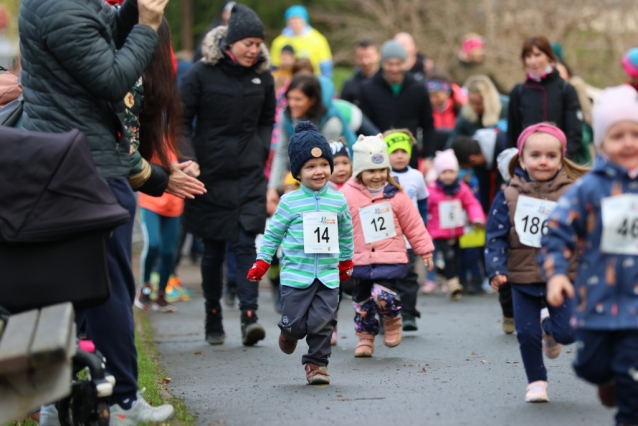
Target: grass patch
151, 376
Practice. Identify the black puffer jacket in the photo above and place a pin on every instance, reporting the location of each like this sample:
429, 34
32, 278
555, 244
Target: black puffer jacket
553, 100
72, 76
235, 111
411, 109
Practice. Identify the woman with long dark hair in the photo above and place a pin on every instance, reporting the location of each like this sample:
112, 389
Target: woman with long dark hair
544, 97
154, 121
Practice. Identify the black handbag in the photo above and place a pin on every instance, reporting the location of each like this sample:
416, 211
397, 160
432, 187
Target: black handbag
11, 113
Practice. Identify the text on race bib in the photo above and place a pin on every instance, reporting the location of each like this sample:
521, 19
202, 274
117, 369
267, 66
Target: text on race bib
377, 222
451, 214
620, 224
320, 232
530, 219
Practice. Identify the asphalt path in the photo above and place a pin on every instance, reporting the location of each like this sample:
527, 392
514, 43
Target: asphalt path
457, 369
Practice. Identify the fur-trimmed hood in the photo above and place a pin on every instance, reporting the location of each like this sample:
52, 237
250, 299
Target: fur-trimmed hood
212, 52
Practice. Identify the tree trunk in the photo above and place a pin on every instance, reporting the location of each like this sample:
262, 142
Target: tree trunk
187, 25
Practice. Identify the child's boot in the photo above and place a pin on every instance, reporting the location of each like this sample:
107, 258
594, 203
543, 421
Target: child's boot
365, 345
393, 326
287, 344
607, 394
537, 392
550, 346
317, 375
454, 288
508, 325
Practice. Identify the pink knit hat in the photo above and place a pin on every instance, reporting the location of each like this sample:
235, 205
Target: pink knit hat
445, 160
630, 62
614, 104
542, 128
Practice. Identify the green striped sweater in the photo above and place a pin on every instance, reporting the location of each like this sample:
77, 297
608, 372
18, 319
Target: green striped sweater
300, 269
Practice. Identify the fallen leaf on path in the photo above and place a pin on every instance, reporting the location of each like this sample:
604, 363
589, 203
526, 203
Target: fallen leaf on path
484, 361
198, 353
166, 380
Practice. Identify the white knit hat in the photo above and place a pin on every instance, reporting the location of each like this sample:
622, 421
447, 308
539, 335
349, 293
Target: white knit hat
369, 153
614, 104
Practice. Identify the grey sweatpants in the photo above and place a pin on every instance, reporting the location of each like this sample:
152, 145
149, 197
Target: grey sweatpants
310, 313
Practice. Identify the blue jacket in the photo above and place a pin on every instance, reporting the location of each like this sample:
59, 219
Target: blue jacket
606, 284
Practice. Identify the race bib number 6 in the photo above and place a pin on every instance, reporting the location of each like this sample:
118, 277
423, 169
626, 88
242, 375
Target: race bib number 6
320, 232
530, 219
620, 224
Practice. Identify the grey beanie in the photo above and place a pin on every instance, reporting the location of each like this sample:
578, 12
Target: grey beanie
393, 49
244, 23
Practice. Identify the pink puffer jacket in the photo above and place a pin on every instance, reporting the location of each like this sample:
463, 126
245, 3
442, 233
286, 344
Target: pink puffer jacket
406, 221
468, 201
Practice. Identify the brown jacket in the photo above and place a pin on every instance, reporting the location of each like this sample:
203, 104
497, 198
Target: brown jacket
521, 262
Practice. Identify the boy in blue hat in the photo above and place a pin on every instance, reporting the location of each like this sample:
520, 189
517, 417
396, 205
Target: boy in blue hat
315, 228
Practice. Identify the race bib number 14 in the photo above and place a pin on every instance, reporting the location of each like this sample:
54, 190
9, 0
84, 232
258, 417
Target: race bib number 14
320, 232
620, 224
530, 219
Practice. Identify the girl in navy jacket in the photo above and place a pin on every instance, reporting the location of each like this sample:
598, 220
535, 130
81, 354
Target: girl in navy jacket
540, 175
599, 217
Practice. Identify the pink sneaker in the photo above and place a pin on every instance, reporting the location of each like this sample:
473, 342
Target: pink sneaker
537, 392
429, 287
550, 346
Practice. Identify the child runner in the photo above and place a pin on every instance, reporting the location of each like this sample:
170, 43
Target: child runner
599, 213
343, 165
342, 172
449, 198
314, 225
400, 144
540, 174
381, 214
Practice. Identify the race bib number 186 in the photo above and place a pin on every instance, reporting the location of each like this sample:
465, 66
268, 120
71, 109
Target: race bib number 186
530, 219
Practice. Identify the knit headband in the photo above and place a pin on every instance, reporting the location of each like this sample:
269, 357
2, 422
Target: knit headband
471, 43
542, 128
438, 86
398, 140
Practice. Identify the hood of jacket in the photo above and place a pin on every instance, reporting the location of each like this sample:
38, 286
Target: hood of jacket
212, 52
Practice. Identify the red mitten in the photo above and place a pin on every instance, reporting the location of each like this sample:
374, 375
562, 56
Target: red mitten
258, 270
345, 269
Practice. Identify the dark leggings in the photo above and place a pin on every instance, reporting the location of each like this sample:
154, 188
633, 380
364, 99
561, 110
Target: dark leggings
452, 256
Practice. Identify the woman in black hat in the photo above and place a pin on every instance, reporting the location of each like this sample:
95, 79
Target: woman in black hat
230, 94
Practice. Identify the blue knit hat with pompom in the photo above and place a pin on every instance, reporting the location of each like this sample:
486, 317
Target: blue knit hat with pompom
305, 144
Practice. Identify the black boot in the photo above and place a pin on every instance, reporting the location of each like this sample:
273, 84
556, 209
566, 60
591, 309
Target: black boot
214, 329
251, 332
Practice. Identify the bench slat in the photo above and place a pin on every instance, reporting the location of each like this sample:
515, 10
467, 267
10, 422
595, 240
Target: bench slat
16, 342
51, 339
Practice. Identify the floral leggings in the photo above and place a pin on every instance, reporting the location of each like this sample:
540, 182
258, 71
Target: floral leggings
371, 298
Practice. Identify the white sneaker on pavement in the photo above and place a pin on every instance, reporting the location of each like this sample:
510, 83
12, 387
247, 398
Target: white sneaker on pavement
140, 412
49, 415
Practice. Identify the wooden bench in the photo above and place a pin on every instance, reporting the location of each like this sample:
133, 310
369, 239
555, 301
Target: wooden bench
36, 348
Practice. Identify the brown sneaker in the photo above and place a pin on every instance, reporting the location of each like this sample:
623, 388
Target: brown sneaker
365, 345
317, 375
392, 336
161, 305
607, 394
454, 289
287, 344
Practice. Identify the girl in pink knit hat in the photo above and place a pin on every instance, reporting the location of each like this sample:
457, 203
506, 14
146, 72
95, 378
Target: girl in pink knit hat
451, 201
540, 175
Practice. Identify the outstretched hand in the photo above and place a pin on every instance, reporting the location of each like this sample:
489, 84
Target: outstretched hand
181, 185
558, 287
498, 281
151, 12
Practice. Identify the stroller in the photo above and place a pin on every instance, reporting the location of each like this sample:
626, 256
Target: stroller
55, 212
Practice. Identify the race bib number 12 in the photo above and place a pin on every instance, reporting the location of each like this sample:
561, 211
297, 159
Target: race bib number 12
620, 224
377, 222
320, 232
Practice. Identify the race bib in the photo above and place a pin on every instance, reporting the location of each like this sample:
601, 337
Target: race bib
620, 224
320, 232
530, 219
377, 222
451, 214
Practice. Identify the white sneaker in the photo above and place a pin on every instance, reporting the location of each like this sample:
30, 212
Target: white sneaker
550, 346
49, 415
140, 412
537, 392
